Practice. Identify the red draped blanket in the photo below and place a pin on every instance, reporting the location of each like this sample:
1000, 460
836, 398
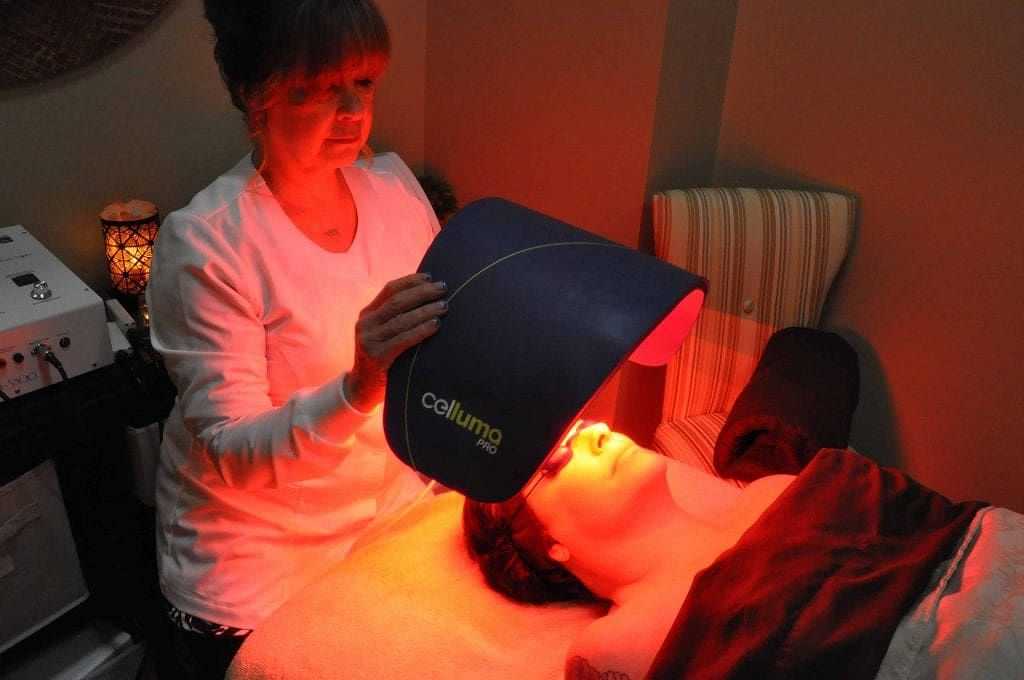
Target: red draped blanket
816, 587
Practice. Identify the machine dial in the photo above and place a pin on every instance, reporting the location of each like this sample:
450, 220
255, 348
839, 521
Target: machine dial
41, 290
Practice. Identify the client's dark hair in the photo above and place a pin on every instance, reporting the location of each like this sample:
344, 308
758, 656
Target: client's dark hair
510, 544
258, 42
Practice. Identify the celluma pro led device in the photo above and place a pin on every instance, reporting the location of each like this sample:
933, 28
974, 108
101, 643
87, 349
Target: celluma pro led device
540, 314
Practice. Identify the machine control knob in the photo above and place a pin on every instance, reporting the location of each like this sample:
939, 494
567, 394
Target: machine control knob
18, 357
65, 342
41, 290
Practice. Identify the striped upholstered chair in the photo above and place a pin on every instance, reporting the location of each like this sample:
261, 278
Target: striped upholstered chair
770, 257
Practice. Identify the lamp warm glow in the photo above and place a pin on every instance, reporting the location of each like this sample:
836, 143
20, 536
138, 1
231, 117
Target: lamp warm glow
129, 230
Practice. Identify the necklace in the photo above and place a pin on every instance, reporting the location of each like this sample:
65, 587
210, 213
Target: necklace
315, 218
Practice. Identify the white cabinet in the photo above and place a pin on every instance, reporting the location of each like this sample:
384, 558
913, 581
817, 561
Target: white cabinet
40, 576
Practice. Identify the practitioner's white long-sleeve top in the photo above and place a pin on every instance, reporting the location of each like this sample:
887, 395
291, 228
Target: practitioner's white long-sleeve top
267, 475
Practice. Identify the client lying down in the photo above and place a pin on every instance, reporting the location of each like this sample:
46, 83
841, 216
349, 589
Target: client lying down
602, 522
802, 575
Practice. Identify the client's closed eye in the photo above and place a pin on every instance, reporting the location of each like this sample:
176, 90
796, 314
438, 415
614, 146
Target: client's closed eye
557, 460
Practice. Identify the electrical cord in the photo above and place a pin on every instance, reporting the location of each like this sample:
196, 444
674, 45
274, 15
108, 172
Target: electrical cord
50, 358
154, 393
47, 352
386, 522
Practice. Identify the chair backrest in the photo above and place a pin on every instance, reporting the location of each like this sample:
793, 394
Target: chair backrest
770, 257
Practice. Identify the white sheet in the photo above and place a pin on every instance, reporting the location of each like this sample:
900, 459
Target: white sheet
970, 623
411, 604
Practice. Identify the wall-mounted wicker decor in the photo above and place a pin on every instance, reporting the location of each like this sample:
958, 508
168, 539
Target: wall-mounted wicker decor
40, 39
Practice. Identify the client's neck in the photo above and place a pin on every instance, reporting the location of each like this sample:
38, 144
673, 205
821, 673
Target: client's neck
671, 553
663, 539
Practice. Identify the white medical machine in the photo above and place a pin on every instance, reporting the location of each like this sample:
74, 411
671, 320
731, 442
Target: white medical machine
53, 327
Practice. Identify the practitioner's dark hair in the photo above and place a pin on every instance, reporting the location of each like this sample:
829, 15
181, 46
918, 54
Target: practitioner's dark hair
511, 545
261, 43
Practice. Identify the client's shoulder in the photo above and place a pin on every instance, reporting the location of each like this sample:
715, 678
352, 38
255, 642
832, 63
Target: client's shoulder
768, 488
620, 645
758, 496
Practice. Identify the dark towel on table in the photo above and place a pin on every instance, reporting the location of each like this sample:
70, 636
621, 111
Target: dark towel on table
800, 399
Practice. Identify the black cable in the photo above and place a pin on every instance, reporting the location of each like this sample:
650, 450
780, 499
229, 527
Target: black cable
50, 357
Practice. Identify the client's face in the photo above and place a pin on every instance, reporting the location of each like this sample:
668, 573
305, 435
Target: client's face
596, 485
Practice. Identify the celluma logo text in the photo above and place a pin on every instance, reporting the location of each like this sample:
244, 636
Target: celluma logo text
489, 437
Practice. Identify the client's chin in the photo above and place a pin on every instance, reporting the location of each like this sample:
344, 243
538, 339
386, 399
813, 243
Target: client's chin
641, 476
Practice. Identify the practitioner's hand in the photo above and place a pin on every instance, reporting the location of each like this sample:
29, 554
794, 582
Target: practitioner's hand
404, 313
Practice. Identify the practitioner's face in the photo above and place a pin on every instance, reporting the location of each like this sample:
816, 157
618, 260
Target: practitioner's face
322, 123
599, 489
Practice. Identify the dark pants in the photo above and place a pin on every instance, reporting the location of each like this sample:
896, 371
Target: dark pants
195, 656
198, 657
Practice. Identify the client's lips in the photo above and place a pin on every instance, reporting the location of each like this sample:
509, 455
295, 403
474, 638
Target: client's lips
618, 459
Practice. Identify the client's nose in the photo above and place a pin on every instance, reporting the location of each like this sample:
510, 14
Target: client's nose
590, 438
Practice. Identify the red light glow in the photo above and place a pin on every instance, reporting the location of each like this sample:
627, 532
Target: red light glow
657, 348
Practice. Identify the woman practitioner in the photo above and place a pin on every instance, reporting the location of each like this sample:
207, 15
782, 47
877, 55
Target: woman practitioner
279, 297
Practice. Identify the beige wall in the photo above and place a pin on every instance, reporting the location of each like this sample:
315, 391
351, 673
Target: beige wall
687, 112
148, 121
691, 91
546, 104
549, 106
916, 107
152, 121
400, 103
910, 106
